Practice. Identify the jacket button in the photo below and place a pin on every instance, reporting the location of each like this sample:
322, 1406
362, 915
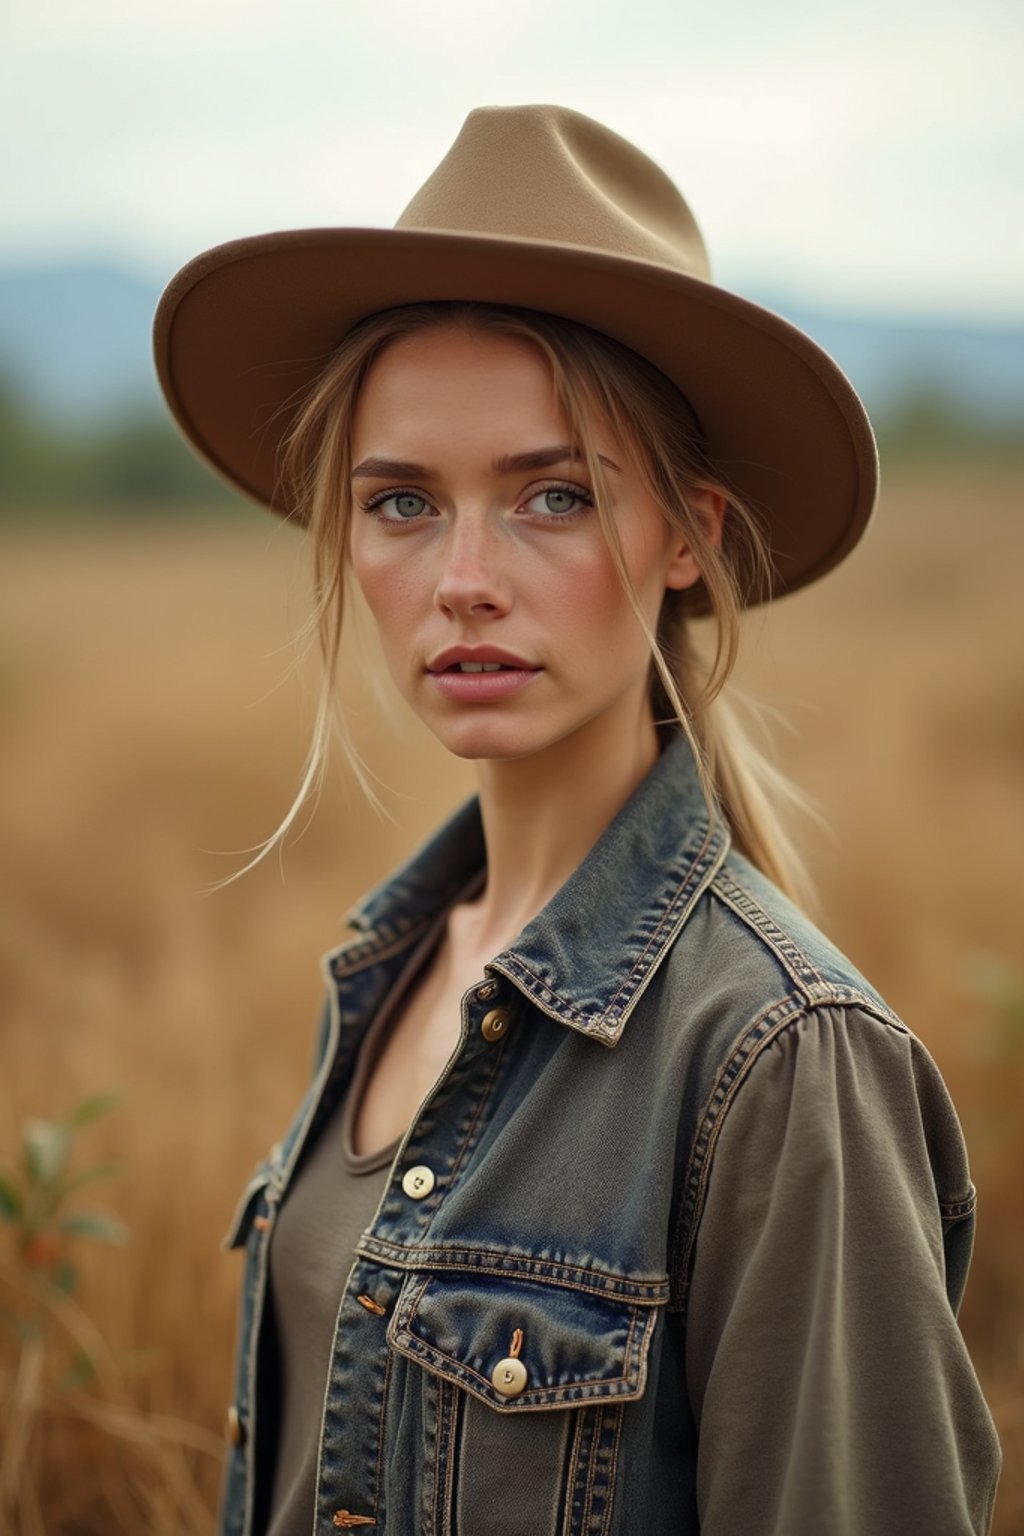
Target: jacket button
494, 1025
487, 991
236, 1428
509, 1377
418, 1182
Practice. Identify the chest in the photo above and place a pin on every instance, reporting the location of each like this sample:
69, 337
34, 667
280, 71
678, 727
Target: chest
421, 1035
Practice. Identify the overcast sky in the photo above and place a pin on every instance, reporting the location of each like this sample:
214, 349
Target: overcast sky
859, 153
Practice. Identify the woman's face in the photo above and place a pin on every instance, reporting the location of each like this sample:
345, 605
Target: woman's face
475, 541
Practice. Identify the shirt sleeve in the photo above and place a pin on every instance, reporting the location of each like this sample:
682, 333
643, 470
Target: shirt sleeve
829, 1379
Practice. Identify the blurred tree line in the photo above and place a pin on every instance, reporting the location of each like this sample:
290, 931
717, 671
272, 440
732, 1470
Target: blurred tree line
138, 463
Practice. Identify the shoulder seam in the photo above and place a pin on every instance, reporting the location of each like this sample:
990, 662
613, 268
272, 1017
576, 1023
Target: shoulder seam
772, 1022
816, 990
794, 960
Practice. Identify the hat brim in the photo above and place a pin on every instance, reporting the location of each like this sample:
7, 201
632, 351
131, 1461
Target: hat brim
242, 331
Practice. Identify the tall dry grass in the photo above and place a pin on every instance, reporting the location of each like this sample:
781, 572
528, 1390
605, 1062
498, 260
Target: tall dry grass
145, 729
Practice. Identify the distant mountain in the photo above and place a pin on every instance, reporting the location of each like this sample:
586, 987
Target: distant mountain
978, 370
75, 346
74, 341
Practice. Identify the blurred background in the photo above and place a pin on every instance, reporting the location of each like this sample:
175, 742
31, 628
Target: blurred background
856, 167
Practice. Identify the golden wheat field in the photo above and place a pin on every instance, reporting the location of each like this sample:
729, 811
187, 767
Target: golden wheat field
150, 730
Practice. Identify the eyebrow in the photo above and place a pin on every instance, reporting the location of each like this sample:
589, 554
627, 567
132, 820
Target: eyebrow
507, 464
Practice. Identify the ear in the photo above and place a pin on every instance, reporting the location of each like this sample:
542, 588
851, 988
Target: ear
683, 570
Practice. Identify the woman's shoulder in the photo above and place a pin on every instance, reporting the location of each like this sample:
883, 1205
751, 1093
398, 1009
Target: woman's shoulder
755, 939
807, 1072
755, 993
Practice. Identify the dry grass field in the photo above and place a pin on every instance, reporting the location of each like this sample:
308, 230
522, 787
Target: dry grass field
150, 729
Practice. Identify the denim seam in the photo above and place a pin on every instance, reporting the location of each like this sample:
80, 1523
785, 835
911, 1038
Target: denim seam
694, 878
453, 1453
613, 1470
413, 1256
434, 1417
540, 1400
573, 1470
585, 1433
588, 1499
609, 1415
765, 1027
482, 1100
388, 1361
960, 1207
797, 964
369, 949
444, 1458
687, 888
260, 1260
439, 1402
748, 1048
244, 1212
408, 1343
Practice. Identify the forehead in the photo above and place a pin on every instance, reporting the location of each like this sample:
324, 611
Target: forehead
481, 382
467, 393
448, 362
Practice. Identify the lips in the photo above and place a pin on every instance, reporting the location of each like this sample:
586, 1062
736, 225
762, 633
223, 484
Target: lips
479, 656
495, 675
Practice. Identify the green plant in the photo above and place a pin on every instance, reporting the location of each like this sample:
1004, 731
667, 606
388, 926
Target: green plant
35, 1196
65, 1400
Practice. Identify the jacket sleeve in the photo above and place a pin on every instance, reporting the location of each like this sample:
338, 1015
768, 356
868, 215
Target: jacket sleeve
830, 1382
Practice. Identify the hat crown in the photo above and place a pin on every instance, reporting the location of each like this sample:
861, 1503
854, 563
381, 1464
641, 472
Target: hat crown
550, 173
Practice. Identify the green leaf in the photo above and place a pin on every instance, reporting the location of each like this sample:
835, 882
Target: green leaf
65, 1277
91, 1109
46, 1147
11, 1205
107, 1229
76, 1181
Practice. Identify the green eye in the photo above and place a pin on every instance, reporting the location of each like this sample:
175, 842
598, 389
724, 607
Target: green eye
560, 501
397, 506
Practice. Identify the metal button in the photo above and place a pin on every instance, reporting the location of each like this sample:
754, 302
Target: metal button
494, 1025
509, 1377
236, 1429
418, 1182
486, 992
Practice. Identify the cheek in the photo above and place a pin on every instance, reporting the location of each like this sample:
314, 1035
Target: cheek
596, 594
593, 618
389, 589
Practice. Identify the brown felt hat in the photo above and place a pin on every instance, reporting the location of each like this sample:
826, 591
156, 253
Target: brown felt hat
541, 207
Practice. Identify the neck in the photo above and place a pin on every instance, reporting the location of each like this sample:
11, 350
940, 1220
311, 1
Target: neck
543, 813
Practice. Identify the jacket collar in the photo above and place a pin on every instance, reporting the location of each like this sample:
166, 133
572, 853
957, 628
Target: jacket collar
587, 956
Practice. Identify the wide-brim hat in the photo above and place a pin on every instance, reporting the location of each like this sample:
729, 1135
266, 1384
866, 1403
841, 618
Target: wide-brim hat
542, 207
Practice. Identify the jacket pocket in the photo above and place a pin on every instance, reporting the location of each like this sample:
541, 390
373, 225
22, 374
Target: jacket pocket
570, 1346
528, 1386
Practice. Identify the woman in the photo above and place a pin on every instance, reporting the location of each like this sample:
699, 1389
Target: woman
619, 1203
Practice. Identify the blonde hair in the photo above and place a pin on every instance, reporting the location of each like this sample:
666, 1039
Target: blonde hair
594, 376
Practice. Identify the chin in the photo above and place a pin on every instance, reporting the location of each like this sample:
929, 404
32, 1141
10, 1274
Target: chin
491, 741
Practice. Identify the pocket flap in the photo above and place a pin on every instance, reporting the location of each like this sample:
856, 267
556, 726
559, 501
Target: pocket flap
575, 1346
253, 1200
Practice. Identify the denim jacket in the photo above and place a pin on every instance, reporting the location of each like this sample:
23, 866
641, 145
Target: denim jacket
585, 1320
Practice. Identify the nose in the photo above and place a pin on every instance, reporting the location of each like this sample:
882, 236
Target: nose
473, 580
